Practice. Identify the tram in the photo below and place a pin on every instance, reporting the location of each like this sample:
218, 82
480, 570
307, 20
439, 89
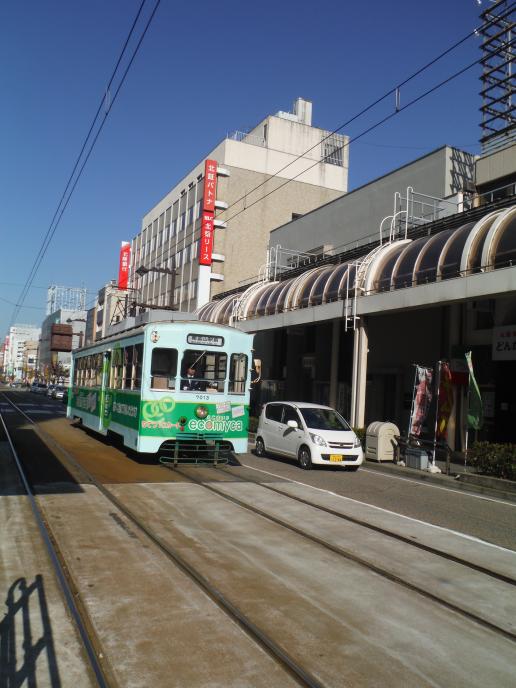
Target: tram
176, 389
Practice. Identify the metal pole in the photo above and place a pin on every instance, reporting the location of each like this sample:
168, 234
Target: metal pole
437, 387
413, 400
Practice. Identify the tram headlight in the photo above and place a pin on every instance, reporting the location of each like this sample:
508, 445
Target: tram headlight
201, 412
317, 439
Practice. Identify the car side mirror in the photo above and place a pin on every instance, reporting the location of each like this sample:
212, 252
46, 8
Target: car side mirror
292, 424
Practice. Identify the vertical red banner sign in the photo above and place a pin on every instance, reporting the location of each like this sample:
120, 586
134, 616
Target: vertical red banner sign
210, 185
206, 247
123, 270
208, 208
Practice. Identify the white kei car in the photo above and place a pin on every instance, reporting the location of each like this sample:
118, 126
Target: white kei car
310, 433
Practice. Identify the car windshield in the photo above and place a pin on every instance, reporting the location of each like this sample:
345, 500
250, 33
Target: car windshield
323, 419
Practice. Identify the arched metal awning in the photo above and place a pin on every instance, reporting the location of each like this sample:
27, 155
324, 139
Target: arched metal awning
488, 244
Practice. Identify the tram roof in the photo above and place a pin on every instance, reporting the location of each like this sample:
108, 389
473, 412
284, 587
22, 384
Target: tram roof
132, 327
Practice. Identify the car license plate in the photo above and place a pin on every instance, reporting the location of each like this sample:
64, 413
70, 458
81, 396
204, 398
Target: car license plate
336, 457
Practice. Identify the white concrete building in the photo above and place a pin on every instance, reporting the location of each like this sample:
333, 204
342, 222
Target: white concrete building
283, 150
15, 347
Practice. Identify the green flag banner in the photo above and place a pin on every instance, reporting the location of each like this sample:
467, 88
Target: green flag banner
475, 413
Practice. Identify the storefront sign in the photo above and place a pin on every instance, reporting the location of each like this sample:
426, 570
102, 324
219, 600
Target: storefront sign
504, 343
210, 185
123, 271
206, 241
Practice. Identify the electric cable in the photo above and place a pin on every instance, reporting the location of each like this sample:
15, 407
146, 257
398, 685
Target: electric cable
59, 213
376, 102
351, 140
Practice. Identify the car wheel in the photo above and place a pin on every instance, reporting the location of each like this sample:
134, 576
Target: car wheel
304, 458
259, 447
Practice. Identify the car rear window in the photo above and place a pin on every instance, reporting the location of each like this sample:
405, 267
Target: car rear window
273, 412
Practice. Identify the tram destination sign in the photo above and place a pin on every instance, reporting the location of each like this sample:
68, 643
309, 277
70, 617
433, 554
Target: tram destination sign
205, 340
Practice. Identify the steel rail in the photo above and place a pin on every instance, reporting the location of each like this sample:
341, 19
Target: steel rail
384, 573
262, 638
383, 531
98, 670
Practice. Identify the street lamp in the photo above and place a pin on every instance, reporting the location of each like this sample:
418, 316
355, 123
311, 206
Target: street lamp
142, 270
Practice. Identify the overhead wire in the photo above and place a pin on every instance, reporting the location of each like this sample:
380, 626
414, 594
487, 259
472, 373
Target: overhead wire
62, 207
350, 140
369, 107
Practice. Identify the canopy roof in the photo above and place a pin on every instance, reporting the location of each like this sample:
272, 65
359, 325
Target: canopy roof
485, 245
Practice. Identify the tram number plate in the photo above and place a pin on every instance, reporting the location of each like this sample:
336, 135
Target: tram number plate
336, 457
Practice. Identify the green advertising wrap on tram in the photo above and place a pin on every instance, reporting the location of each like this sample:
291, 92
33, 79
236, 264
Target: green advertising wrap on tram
165, 384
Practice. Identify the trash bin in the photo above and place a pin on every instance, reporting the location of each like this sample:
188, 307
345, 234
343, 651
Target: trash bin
381, 442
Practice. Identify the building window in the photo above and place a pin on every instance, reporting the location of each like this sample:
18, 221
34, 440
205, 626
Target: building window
190, 216
192, 289
174, 228
182, 221
332, 151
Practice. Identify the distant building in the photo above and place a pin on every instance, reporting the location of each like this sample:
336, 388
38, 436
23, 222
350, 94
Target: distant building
61, 332
30, 358
111, 306
15, 347
69, 298
283, 149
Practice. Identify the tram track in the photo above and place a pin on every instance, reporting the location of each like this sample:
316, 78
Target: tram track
91, 644
361, 561
302, 676
378, 529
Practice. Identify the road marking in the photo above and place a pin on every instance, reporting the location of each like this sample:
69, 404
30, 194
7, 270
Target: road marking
388, 511
438, 487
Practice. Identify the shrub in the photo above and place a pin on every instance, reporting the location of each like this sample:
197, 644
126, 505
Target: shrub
361, 434
494, 459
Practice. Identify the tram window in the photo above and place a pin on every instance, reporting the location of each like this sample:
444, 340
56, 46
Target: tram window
128, 367
237, 373
116, 369
137, 362
88, 371
209, 370
163, 368
98, 369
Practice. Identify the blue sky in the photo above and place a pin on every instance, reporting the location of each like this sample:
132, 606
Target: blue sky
204, 69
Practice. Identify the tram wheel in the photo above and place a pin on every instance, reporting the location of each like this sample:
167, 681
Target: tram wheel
304, 458
259, 447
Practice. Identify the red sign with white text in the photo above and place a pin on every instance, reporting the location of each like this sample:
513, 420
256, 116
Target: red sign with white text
123, 270
210, 185
206, 242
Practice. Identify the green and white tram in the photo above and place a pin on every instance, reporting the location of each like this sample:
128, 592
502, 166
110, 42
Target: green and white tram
177, 389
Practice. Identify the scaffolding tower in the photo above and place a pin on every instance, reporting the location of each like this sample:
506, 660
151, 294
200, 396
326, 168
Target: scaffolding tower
497, 78
67, 298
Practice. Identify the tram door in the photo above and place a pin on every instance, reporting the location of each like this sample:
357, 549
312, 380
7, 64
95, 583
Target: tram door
106, 402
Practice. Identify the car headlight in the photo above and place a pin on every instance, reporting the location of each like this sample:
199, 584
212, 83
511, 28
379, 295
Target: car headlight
317, 439
357, 443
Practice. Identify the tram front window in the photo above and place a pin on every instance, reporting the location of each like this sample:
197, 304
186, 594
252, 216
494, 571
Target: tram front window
203, 371
163, 368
